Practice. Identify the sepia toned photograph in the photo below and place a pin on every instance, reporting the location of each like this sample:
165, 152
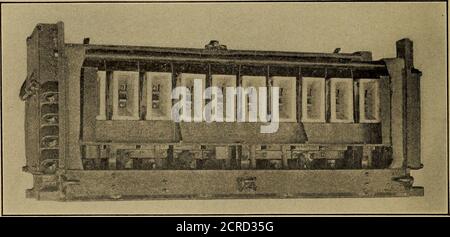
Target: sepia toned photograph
224, 108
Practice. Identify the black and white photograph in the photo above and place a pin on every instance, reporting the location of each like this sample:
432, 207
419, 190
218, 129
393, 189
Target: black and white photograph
224, 108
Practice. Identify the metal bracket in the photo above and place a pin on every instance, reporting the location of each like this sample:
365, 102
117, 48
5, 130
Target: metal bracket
246, 184
406, 180
215, 45
30, 89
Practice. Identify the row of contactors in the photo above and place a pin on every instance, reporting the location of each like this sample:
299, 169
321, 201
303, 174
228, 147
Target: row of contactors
157, 157
345, 99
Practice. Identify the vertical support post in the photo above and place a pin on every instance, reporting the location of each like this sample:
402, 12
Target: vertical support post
208, 80
405, 107
298, 100
61, 77
284, 156
177, 127
112, 158
238, 103
355, 98
395, 68
411, 104
366, 161
142, 103
253, 156
385, 109
269, 83
109, 92
327, 100
208, 83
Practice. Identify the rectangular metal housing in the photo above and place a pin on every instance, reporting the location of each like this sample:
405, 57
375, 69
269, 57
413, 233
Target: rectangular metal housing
77, 149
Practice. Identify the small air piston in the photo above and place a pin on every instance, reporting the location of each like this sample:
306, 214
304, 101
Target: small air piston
49, 166
51, 118
50, 142
50, 97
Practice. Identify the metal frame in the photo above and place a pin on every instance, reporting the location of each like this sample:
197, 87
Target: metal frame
63, 177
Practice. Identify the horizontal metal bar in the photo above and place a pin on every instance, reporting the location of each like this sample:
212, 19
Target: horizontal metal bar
202, 52
234, 183
120, 57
